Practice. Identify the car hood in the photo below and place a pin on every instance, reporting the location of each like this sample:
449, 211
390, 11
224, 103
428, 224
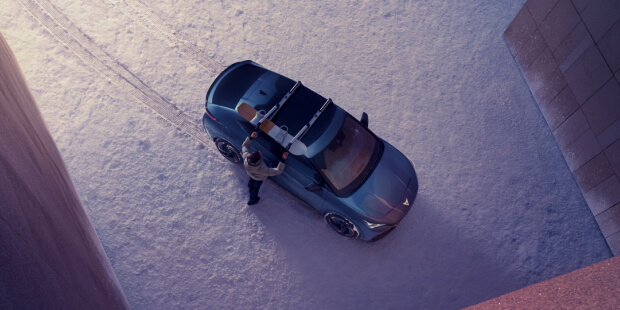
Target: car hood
390, 190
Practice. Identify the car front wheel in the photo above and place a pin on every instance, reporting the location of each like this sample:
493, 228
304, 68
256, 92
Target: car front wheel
342, 225
229, 151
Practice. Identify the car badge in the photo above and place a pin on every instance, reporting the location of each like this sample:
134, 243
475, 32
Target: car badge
406, 203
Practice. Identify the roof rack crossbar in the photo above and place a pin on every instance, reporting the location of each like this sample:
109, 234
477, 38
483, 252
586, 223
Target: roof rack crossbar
306, 127
276, 108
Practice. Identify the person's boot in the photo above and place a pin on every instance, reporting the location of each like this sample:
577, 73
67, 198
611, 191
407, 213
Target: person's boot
253, 201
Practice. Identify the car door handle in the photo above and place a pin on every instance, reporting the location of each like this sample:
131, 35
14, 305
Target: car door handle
313, 187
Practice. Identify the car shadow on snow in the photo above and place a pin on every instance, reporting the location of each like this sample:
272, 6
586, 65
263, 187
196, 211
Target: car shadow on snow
426, 262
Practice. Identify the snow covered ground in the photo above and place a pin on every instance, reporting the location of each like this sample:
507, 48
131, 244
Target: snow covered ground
497, 208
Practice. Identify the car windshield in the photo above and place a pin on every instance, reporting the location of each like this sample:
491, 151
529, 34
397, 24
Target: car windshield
349, 157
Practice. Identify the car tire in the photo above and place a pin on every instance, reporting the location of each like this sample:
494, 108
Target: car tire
341, 225
228, 150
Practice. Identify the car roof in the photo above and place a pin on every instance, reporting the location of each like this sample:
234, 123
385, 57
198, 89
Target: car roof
300, 109
262, 88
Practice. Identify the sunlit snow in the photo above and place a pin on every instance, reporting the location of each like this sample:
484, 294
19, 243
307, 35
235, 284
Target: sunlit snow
497, 208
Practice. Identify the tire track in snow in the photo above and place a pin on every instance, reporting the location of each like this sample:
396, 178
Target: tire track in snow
96, 58
139, 12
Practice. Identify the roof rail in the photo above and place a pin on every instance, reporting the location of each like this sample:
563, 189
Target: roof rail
276, 108
306, 127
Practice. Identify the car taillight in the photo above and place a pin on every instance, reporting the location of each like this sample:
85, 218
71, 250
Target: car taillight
211, 116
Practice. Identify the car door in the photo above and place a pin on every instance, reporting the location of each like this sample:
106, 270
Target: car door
300, 178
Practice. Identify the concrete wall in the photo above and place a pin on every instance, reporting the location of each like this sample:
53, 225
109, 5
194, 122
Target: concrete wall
50, 255
569, 53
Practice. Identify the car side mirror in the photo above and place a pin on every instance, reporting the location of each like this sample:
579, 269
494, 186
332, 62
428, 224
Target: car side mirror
313, 187
364, 119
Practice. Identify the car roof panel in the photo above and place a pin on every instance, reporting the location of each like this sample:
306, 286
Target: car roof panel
300, 109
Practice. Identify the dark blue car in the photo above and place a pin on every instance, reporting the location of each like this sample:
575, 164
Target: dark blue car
362, 185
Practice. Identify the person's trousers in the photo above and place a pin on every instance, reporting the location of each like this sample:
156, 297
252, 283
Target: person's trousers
254, 187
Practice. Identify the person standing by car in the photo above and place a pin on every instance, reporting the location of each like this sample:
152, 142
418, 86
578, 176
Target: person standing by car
257, 169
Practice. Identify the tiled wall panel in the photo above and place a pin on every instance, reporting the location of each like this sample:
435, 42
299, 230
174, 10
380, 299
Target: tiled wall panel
569, 53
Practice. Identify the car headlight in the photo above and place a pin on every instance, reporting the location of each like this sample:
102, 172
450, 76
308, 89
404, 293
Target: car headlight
373, 225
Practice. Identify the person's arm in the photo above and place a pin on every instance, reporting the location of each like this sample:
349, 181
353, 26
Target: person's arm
245, 147
277, 170
280, 168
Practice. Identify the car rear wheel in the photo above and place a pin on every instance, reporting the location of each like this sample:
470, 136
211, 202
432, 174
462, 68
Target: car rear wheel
342, 225
229, 151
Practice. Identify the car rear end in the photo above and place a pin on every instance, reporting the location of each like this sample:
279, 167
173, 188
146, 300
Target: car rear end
226, 91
